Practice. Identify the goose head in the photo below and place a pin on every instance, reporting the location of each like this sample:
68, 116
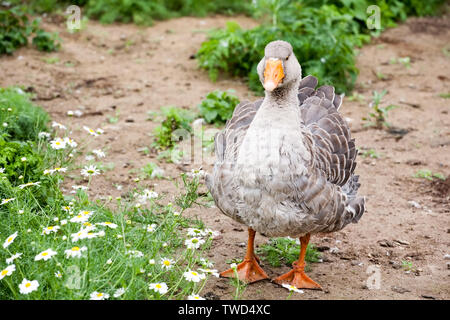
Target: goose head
279, 68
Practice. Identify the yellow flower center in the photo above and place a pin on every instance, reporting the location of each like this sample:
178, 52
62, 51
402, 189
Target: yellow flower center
166, 262
75, 249
99, 294
27, 285
44, 253
4, 272
158, 286
194, 273
9, 239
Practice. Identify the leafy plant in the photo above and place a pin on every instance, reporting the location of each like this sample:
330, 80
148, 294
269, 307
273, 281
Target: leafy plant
218, 106
323, 34
15, 28
144, 12
46, 41
280, 251
151, 171
377, 118
175, 118
428, 174
370, 153
19, 159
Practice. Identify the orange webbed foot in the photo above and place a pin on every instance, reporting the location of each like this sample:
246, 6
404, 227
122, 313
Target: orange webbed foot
297, 278
248, 271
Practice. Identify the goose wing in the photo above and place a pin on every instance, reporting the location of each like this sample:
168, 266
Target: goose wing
334, 152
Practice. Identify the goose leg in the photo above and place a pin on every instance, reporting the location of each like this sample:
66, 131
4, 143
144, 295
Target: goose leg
297, 276
249, 270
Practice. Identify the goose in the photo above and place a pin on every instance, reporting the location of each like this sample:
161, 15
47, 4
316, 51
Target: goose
284, 165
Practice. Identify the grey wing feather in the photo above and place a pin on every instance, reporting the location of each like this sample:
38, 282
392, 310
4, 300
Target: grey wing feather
334, 154
334, 151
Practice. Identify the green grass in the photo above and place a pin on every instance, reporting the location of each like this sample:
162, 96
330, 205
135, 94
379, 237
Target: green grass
19, 118
370, 153
428, 174
377, 117
284, 251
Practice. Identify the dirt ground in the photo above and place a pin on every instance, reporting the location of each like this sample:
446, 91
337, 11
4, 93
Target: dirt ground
126, 71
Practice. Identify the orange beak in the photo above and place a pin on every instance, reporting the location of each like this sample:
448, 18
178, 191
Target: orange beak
273, 74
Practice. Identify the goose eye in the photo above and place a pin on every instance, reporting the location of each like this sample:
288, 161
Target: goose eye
287, 58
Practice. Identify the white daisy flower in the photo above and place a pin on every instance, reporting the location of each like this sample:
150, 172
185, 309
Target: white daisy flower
99, 153
212, 233
7, 271
5, 201
43, 135
57, 144
79, 218
84, 188
63, 222
29, 184
2, 170
194, 276
70, 142
119, 292
78, 113
150, 194
89, 157
194, 243
197, 173
151, 227
210, 271
161, 287
58, 125
28, 286
75, 252
13, 257
167, 263
194, 232
109, 261
108, 224
99, 131
151, 261
23, 159
58, 170
99, 296
291, 288
91, 132
205, 263
89, 171
135, 253
50, 229
45, 255
9, 240
58, 274
195, 297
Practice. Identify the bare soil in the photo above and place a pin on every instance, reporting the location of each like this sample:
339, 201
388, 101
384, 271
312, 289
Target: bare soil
126, 71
